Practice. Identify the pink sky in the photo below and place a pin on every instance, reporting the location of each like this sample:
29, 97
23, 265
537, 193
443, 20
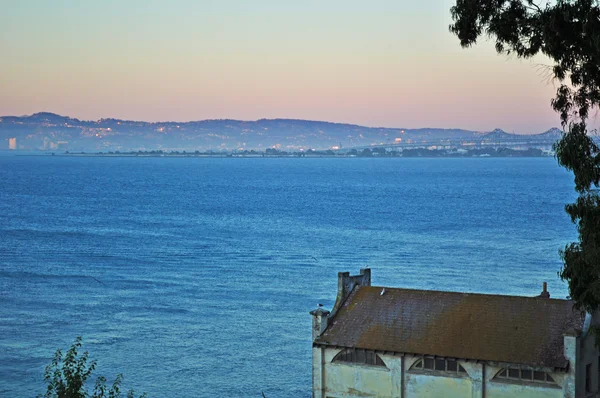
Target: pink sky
385, 63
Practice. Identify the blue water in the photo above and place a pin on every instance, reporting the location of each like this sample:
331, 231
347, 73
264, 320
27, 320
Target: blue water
194, 277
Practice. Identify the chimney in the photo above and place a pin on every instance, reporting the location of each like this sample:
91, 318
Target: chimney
545, 293
346, 283
320, 318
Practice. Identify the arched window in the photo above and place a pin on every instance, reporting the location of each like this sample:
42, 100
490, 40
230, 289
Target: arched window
360, 356
527, 375
444, 365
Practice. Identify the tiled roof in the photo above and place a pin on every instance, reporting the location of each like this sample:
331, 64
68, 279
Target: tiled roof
512, 329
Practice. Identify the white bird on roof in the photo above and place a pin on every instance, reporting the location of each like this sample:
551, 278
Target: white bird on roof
382, 292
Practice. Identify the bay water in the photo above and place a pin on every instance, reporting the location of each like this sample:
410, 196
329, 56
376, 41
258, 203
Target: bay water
194, 276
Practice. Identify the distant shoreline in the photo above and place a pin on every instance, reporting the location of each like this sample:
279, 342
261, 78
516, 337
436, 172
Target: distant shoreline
423, 154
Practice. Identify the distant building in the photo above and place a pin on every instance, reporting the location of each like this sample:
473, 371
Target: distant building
12, 143
390, 342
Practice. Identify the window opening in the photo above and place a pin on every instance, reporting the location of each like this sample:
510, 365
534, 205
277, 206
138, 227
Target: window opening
445, 365
527, 375
588, 378
360, 356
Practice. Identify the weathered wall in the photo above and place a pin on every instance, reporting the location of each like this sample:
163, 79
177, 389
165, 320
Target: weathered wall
570, 353
504, 389
317, 369
354, 380
509, 390
587, 353
421, 385
427, 385
359, 381
349, 380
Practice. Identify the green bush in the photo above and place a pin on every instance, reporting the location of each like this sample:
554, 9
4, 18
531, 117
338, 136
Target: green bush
67, 377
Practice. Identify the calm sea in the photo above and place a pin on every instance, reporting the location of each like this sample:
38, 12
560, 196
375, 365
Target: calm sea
194, 277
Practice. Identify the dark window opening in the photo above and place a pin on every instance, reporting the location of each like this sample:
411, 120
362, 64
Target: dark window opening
539, 376
451, 366
360, 356
428, 363
445, 365
588, 379
527, 375
440, 364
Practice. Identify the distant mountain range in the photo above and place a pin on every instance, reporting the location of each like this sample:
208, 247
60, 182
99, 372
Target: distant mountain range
50, 131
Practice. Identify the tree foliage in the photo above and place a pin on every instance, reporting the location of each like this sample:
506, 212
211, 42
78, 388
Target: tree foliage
567, 32
67, 377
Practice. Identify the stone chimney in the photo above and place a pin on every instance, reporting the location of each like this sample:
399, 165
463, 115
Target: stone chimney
320, 318
346, 283
545, 293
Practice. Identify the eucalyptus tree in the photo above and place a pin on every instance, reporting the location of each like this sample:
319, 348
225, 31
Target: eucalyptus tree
568, 33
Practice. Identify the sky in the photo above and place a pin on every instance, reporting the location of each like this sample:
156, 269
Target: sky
377, 63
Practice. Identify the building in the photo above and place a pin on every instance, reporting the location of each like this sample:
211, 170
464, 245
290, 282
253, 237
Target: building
12, 143
390, 342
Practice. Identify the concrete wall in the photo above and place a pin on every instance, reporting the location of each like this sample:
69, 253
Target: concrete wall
354, 380
421, 385
317, 371
502, 389
508, 390
395, 380
424, 384
587, 353
570, 353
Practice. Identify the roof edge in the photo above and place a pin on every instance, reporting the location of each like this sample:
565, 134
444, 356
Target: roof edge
560, 369
332, 315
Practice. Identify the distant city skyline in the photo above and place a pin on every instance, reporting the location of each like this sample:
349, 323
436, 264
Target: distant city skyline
382, 64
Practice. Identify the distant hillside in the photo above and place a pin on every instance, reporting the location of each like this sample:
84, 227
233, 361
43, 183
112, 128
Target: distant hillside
55, 132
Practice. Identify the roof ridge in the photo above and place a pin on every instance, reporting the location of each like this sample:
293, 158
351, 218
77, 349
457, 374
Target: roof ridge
470, 293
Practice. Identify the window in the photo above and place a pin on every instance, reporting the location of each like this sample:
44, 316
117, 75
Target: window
588, 377
440, 364
428, 363
526, 375
359, 355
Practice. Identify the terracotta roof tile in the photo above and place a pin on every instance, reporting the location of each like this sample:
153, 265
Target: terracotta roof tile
513, 329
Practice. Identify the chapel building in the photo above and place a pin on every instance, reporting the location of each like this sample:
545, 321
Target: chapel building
390, 342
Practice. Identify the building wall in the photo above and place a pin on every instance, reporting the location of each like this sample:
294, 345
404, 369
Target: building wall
395, 380
501, 389
419, 385
424, 384
509, 390
587, 353
353, 380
